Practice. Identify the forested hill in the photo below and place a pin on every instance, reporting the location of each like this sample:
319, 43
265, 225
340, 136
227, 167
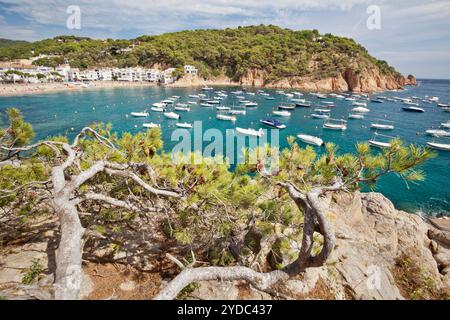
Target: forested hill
278, 53
8, 43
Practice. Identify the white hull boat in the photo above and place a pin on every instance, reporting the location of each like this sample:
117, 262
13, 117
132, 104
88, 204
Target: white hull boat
250, 132
157, 109
171, 115
360, 110
446, 125
355, 116
184, 125
438, 133
150, 125
225, 117
139, 114
281, 113
237, 112
439, 146
310, 139
359, 104
180, 108
334, 126
159, 105
320, 116
223, 108
379, 144
379, 126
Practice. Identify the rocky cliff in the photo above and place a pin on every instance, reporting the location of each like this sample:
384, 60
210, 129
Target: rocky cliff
369, 81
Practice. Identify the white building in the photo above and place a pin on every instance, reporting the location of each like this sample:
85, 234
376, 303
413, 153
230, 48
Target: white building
167, 76
188, 69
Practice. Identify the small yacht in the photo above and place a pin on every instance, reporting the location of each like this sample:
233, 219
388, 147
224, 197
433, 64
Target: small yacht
311, 139
195, 96
250, 132
306, 104
377, 100
270, 98
443, 105
251, 104
157, 109
236, 111
359, 104
205, 105
273, 123
355, 116
225, 117
192, 102
320, 115
139, 114
360, 110
151, 125
223, 108
167, 101
286, 107
380, 144
439, 146
159, 105
184, 125
446, 124
171, 115
438, 132
335, 124
183, 107
413, 109
382, 125
206, 88
281, 113
213, 102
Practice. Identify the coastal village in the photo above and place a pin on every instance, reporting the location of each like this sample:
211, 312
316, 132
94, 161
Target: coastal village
23, 71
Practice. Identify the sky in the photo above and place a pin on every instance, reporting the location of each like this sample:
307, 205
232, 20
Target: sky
413, 36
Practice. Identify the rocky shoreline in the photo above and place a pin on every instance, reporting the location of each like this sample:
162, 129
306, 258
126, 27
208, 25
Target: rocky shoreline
369, 82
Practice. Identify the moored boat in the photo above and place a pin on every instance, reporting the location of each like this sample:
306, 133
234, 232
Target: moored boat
171, 115
335, 124
184, 125
413, 109
310, 139
225, 117
139, 114
250, 132
150, 125
273, 123
281, 113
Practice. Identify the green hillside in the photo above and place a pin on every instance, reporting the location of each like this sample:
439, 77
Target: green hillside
8, 43
279, 52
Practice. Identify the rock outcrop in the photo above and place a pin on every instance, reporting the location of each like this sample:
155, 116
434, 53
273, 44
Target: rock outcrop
371, 80
376, 249
380, 253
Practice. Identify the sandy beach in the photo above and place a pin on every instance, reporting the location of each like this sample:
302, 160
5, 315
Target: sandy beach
36, 88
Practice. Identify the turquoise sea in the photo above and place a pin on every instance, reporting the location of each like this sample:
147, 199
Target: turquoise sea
67, 112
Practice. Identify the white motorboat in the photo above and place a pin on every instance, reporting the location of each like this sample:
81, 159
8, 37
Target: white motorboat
270, 98
320, 116
443, 105
413, 109
225, 117
139, 114
250, 132
182, 108
150, 125
310, 139
171, 115
157, 109
167, 101
222, 108
281, 113
205, 105
446, 124
439, 146
195, 96
235, 111
286, 107
359, 104
213, 102
251, 104
206, 88
326, 111
335, 124
382, 125
159, 105
184, 125
434, 99
360, 110
350, 99
273, 123
355, 116
438, 133
192, 102
380, 144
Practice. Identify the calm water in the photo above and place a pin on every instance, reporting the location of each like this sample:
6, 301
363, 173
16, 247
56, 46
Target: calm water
58, 113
